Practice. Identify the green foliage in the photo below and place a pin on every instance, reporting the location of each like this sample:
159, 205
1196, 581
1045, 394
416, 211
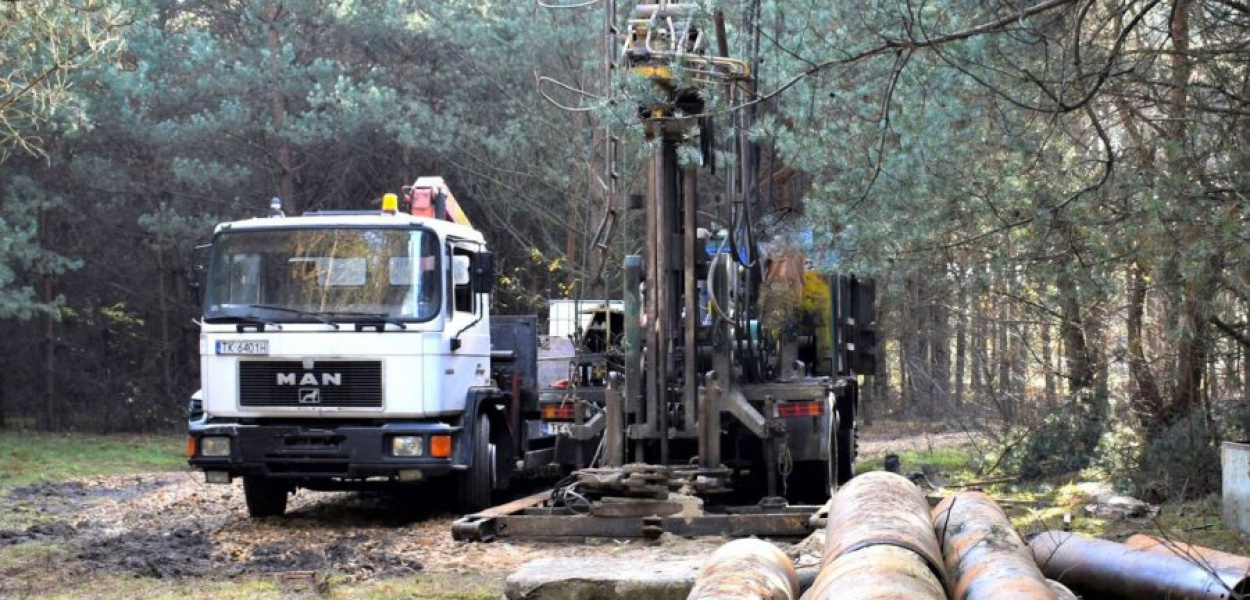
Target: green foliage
1064, 441
27, 457
1180, 462
44, 43
21, 202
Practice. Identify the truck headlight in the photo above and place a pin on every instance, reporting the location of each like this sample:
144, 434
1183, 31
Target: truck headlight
407, 445
214, 445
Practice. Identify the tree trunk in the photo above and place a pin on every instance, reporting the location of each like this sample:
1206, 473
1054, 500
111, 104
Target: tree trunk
1048, 363
1191, 355
977, 382
912, 348
278, 108
1245, 368
1080, 371
1149, 401
50, 412
1002, 362
940, 350
1020, 358
961, 345
881, 382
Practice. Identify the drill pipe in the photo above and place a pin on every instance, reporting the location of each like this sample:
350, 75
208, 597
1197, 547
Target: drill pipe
985, 557
746, 569
882, 572
1061, 591
1107, 569
881, 508
1232, 569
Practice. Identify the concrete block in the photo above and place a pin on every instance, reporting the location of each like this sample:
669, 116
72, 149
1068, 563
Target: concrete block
603, 578
1236, 463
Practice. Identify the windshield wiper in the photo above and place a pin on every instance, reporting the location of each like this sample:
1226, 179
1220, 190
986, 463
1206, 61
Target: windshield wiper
243, 320
295, 311
368, 316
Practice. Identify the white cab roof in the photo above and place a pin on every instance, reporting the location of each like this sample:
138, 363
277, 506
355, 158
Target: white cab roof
443, 228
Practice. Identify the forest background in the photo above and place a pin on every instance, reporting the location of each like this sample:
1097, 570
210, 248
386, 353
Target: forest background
1051, 195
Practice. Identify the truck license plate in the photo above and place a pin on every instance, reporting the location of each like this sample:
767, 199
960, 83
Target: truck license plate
555, 428
243, 347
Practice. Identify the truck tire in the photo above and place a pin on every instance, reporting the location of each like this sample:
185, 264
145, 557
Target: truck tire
814, 481
265, 497
477, 481
848, 451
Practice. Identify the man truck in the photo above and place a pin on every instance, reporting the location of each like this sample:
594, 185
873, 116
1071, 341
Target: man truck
348, 350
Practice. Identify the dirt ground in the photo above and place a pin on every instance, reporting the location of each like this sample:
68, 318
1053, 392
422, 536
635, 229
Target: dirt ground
173, 526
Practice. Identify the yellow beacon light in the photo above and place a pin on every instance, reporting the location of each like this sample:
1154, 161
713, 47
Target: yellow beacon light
390, 204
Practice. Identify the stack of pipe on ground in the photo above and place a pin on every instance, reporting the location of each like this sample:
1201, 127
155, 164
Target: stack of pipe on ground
747, 569
879, 544
1110, 570
1232, 569
984, 556
1061, 591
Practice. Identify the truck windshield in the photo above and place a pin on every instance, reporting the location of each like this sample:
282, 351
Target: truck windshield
311, 275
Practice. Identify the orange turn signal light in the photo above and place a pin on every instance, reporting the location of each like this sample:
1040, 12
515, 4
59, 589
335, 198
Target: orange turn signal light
559, 412
440, 446
800, 409
191, 447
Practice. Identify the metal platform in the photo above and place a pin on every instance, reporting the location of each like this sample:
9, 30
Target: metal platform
534, 517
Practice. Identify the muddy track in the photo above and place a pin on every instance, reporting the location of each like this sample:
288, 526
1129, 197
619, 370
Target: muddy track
173, 525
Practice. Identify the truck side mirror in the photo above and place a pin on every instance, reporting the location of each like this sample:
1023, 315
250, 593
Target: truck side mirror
198, 273
195, 283
484, 272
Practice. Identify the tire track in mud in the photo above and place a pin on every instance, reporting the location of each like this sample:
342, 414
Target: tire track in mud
173, 525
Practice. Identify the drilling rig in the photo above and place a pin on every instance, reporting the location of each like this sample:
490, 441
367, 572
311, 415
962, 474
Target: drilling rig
702, 398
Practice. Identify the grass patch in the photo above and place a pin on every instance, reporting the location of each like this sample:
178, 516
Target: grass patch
32, 568
422, 586
27, 458
125, 587
955, 463
434, 586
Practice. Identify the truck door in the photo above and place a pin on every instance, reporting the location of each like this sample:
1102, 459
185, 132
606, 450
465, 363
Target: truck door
468, 328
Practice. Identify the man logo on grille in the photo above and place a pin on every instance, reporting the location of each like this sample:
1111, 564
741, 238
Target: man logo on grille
310, 379
310, 396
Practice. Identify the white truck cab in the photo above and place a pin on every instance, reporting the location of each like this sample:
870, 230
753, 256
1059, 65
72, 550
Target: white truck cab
342, 350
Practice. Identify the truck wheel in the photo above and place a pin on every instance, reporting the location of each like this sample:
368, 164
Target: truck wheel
815, 481
810, 482
847, 453
477, 481
265, 497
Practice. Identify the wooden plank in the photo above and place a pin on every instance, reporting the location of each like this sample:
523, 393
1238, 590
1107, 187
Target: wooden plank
515, 506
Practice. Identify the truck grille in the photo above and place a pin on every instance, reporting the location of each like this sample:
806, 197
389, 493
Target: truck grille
353, 384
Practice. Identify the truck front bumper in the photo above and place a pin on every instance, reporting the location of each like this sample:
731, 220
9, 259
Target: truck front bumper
324, 451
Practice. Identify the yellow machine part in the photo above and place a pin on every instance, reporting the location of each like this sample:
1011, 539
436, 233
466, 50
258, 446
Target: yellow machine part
817, 299
657, 73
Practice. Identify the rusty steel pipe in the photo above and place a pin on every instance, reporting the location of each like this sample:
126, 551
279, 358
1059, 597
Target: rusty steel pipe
1232, 569
1107, 569
746, 569
1061, 591
880, 508
881, 572
984, 556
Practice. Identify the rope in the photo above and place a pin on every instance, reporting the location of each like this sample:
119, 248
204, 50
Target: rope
785, 464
